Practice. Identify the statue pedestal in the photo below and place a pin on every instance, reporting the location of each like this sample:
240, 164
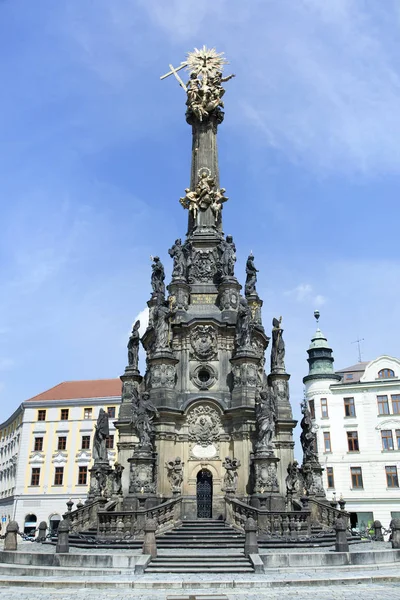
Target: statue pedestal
255, 304
228, 298
179, 291
162, 377
265, 482
142, 480
245, 370
312, 477
101, 484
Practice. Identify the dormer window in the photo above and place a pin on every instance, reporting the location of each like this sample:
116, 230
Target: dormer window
385, 374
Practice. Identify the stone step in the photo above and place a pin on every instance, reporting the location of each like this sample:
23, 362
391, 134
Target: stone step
197, 557
200, 569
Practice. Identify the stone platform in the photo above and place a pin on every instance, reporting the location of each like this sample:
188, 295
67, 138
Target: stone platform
37, 569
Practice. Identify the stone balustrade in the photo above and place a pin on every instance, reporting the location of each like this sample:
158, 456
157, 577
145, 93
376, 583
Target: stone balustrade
325, 515
125, 524
84, 517
270, 523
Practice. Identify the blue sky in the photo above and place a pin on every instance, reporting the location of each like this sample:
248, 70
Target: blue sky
95, 153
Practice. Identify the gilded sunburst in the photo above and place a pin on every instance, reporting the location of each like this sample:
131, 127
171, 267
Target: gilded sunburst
205, 62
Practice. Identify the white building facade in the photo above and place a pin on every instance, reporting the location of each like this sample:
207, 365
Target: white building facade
356, 412
46, 450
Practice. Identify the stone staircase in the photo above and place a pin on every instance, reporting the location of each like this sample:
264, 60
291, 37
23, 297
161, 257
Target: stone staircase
318, 537
203, 533
200, 563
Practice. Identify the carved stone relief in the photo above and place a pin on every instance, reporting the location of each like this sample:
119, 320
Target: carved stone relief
204, 376
162, 376
265, 477
203, 266
229, 300
204, 425
203, 339
142, 479
245, 374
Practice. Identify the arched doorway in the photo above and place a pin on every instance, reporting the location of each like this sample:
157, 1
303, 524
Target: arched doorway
204, 490
30, 524
54, 523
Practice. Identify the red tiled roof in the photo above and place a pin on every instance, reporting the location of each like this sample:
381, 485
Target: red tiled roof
91, 388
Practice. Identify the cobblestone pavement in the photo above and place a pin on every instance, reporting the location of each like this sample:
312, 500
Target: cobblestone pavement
344, 592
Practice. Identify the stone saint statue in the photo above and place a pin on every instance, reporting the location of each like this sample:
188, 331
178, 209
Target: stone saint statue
101, 432
251, 276
265, 420
278, 347
145, 413
161, 317
293, 478
228, 257
308, 437
157, 277
133, 346
117, 478
243, 325
175, 473
178, 255
191, 202
231, 466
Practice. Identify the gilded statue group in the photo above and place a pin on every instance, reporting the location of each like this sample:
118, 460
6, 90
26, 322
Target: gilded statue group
204, 196
205, 92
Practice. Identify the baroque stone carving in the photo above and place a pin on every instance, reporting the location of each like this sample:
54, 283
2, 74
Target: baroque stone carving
204, 89
157, 277
243, 326
178, 255
204, 376
99, 442
144, 414
265, 477
231, 466
278, 347
203, 265
203, 339
251, 276
312, 478
162, 376
308, 437
117, 478
203, 196
245, 374
228, 257
204, 425
161, 325
229, 299
265, 420
133, 347
175, 473
293, 479
142, 479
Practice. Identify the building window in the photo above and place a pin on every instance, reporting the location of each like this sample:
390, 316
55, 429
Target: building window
398, 439
64, 414
35, 476
349, 408
356, 477
111, 412
62, 443
324, 408
352, 441
58, 475
387, 439
385, 373
87, 413
327, 441
391, 477
329, 474
38, 447
41, 415
85, 445
396, 404
82, 476
383, 405
349, 376
311, 407
110, 442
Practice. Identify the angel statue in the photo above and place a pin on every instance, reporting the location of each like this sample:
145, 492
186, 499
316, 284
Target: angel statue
175, 473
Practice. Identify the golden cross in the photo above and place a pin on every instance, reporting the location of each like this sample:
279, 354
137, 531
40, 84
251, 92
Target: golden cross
174, 72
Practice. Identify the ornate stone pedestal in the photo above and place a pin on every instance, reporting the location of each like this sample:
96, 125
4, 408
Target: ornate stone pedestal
162, 378
101, 481
312, 477
245, 366
179, 291
228, 298
142, 480
265, 482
